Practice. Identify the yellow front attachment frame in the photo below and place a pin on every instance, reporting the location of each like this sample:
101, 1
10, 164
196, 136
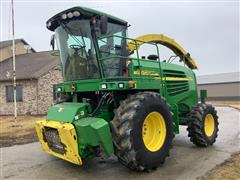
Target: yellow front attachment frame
67, 135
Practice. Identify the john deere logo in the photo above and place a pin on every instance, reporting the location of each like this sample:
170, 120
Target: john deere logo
60, 109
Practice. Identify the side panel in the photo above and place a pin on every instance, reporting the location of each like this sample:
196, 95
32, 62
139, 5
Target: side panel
176, 83
66, 112
181, 84
179, 81
93, 132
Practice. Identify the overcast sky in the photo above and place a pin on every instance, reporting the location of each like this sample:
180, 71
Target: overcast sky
209, 31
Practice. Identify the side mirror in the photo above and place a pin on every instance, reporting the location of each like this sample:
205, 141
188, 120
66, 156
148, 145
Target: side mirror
52, 41
103, 24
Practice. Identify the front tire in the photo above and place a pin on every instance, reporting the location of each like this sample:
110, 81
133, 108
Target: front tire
142, 131
203, 125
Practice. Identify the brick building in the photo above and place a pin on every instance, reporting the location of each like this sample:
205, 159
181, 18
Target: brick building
36, 74
21, 47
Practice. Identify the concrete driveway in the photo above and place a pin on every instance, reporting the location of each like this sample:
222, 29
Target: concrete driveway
186, 161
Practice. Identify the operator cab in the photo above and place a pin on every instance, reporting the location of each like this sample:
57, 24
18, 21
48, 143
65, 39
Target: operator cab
90, 43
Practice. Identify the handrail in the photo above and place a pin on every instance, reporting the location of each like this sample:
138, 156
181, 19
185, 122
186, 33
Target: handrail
136, 43
165, 41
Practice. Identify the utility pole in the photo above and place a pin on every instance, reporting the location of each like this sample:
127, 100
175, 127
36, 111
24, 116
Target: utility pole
14, 66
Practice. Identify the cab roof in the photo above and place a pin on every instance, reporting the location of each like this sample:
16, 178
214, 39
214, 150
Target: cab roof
85, 12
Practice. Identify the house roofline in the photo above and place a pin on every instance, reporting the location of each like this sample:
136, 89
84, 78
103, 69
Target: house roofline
16, 41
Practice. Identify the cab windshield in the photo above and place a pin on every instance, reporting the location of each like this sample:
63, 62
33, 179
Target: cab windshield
77, 53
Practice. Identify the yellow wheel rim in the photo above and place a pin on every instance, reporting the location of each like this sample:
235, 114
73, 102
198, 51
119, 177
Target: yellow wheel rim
209, 125
154, 131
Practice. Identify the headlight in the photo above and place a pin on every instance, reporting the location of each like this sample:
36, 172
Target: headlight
121, 85
104, 86
70, 15
49, 24
59, 89
64, 16
76, 13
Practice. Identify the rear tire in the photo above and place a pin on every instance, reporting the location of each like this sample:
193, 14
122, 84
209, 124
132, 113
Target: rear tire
203, 125
142, 131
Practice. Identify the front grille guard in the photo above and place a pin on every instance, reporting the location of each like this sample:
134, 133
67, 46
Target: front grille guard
52, 138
